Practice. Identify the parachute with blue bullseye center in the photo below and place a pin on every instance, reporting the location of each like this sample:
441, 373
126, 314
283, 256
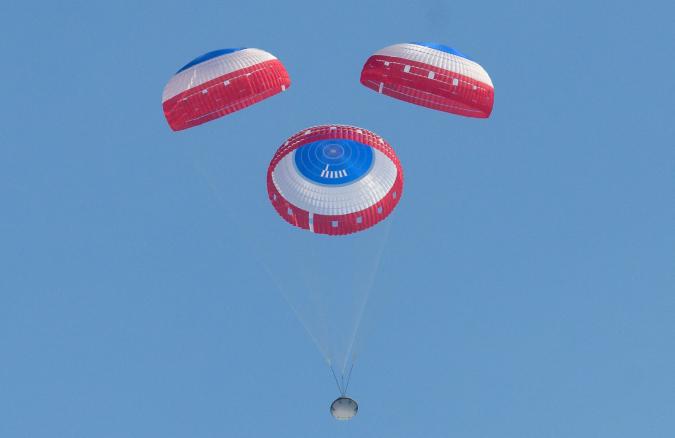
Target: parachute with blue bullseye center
335, 179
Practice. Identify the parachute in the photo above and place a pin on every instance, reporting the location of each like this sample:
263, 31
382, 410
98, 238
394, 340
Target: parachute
334, 180
337, 182
431, 75
219, 83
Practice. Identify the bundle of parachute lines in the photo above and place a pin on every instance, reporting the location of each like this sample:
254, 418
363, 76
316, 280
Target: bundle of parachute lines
331, 179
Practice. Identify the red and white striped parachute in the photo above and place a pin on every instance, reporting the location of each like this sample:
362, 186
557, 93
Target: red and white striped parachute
219, 83
431, 75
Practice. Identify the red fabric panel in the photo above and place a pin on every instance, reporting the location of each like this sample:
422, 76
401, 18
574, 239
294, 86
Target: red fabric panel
468, 97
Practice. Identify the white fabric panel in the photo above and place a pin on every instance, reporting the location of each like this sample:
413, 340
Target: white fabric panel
338, 199
438, 58
213, 68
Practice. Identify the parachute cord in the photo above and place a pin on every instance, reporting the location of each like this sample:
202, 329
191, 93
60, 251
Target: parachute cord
281, 289
230, 217
310, 281
371, 282
337, 382
349, 378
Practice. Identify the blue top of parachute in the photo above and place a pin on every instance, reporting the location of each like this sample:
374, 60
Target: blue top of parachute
207, 56
334, 161
442, 48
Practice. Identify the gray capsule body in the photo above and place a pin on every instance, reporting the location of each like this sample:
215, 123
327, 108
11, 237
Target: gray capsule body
344, 408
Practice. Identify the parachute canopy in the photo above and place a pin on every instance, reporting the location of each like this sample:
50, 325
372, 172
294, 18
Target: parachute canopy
431, 75
334, 179
219, 83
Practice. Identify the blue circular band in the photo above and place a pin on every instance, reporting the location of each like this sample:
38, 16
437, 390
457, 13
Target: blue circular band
334, 161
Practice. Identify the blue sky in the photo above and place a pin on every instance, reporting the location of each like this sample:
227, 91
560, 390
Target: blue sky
526, 288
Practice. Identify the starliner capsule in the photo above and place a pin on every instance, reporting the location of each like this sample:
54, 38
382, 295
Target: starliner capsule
335, 179
344, 408
431, 75
219, 83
